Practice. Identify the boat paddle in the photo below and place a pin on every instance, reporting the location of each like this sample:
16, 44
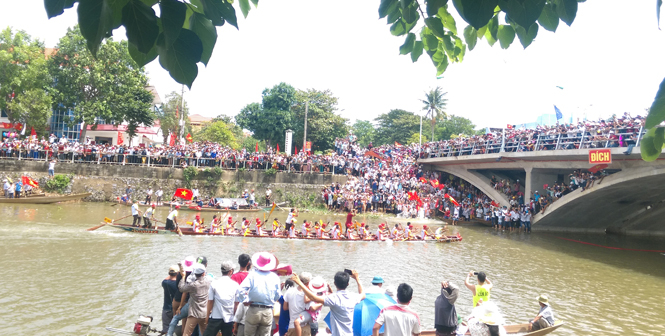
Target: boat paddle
106, 221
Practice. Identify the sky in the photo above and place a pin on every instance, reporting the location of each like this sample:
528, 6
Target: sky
609, 61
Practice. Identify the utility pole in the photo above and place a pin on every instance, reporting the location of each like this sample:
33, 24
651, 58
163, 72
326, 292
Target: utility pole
421, 133
304, 138
182, 113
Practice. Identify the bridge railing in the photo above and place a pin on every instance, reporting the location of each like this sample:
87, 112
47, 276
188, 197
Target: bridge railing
574, 139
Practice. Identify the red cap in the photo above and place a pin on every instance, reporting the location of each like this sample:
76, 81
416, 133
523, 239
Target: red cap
153, 206
177, 207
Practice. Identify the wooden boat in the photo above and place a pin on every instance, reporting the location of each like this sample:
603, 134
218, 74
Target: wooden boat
522, 329
44, 199
188, 231
189, 207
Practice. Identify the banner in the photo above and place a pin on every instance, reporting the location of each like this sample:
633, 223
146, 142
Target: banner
308, 146
121, 140
183, 193
600, 156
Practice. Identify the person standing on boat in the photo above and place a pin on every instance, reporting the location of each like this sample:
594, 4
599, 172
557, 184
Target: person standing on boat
399, 319
268, 196
482, 289
260, 290
148, 196
135, 213
172, 219
252, 199
349, 221
148, 215
159, 193
545, 317
445, 313
289, 219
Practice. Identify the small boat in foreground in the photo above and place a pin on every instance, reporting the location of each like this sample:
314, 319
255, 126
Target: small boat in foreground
188, 231
511, 329
44, 199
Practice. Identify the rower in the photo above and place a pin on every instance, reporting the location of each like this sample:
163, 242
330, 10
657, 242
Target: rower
292, 230
394, 233
148, 216
214, 224
196, 224
317, 229
259, 232
275, 227
324, 232
230, 226
424, 234
172, 219
407, 230
305, 229
379, 232
334, 232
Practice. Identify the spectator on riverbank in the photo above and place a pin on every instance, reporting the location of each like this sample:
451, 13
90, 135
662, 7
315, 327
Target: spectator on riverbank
445, 313
260, 290
221, 303
398, 319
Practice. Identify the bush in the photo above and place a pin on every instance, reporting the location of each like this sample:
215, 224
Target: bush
189, 174
271, 171
58, 183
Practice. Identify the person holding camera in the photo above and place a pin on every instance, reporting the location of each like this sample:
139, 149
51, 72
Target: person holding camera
445, 313
481, 291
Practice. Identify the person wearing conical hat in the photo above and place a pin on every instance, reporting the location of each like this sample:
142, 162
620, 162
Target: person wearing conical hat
545, 317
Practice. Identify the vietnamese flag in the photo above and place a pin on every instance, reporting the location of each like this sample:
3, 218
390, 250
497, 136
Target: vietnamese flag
495, 204
398, 144
422, 180
453, 200
277, 148
189, 138
257, 146
27, 180
171, 139
183, 193
296, 149
33, 132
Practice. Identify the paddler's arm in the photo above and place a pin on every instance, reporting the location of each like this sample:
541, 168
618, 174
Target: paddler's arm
306, 290
468, 284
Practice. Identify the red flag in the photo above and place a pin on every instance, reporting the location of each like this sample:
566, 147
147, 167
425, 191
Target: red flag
32, 132
422, 180
398, 144
596, 168
441, 186
189, 138
434, 183
120, 138
27, 180
373, 154
495, 204
413, 195
277, 148
509, 126
257, 146
451, 199
171, 139
183, 193
176, 112
296, 149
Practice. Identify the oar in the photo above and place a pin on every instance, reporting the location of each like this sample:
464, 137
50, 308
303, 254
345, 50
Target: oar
106, 221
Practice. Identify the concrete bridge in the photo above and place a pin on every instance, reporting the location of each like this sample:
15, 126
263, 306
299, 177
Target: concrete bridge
630, 201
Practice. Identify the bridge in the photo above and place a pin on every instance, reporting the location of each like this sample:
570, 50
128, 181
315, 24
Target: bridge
630, 201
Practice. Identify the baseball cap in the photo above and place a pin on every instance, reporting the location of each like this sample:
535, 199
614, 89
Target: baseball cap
202, 260
199, 269
226, 266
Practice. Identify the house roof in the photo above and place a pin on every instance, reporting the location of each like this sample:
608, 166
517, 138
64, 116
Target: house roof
123, 128
198, 119
155, 96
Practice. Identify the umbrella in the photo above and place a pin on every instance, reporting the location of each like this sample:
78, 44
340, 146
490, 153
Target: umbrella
366, 312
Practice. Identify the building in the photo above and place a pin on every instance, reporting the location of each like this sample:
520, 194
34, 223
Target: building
197, 121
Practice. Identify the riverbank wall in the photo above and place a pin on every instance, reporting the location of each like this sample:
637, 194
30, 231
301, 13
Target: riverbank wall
108, 182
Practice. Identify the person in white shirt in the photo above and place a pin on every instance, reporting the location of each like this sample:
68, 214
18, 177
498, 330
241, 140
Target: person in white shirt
148, 215
135, 213
195, 193
221, 301
294, 301
399, 319
159, 193
148, 196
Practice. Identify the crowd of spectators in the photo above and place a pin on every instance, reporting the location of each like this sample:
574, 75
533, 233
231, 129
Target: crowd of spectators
613, 132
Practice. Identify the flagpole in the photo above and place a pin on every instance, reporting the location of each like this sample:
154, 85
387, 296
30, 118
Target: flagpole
182, 113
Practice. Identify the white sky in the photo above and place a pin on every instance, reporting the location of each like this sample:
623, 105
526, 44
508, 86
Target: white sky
609, 61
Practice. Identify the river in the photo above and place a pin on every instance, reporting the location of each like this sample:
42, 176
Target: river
63, 280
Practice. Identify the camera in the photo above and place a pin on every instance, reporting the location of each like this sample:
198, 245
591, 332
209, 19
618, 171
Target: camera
348, 271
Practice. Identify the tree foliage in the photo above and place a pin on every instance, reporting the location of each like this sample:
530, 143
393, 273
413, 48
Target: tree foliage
109, 88
396, 125
171, 112
435, 105
183, 35
270, 119
454, 126
219, 132
365, 132
25, 83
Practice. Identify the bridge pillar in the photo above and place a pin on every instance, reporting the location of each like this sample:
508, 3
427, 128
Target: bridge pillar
528, 184
535, 179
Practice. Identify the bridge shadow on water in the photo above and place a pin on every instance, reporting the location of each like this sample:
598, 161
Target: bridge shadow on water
625, 252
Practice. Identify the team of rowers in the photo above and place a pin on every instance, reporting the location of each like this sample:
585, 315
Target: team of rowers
312, 229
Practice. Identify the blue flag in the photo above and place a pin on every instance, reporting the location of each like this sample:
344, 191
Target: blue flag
559, 115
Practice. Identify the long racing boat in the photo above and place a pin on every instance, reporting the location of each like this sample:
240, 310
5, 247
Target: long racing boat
188, 231
44, 199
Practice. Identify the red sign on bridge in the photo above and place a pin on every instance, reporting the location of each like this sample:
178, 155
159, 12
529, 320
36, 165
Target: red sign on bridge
600, 156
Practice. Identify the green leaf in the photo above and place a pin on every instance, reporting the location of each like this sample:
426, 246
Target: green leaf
410, 14
197, 6
188, 16
659, 3
523, 12
436, 26
447, 20
548, 18
651, 144
116, 8
181, 57
386, 7
172, 14
506, 36
476, 12
492, 29
460, 49
150, 3
417, 50
526, 37
57, 7
430, 42
398, 28
211, 9
405, 3
470, 36
448, 45
140, 58
657, 109
394, 15
256, 3
441, 67
481, 32
244, 7
95, 21
407, 47
206, 31
434, 5
566, 9
141, 25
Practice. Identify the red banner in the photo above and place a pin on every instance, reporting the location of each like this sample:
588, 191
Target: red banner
121, 140
183, 193
600, 156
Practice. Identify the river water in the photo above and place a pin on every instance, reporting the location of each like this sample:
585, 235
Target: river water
60, 279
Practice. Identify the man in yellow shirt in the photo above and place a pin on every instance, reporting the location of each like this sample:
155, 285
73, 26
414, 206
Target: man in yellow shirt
481, 291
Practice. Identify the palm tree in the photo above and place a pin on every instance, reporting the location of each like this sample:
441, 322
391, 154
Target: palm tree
435, 105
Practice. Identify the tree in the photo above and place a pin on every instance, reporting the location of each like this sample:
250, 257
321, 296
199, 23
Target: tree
270, 119
323, 124
169, 119
25, 92
435, 105
455, 125
102, 89
415, 138
365, 132
219, 132
396, 125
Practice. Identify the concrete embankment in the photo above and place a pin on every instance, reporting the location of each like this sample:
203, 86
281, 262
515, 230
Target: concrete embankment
107, 182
